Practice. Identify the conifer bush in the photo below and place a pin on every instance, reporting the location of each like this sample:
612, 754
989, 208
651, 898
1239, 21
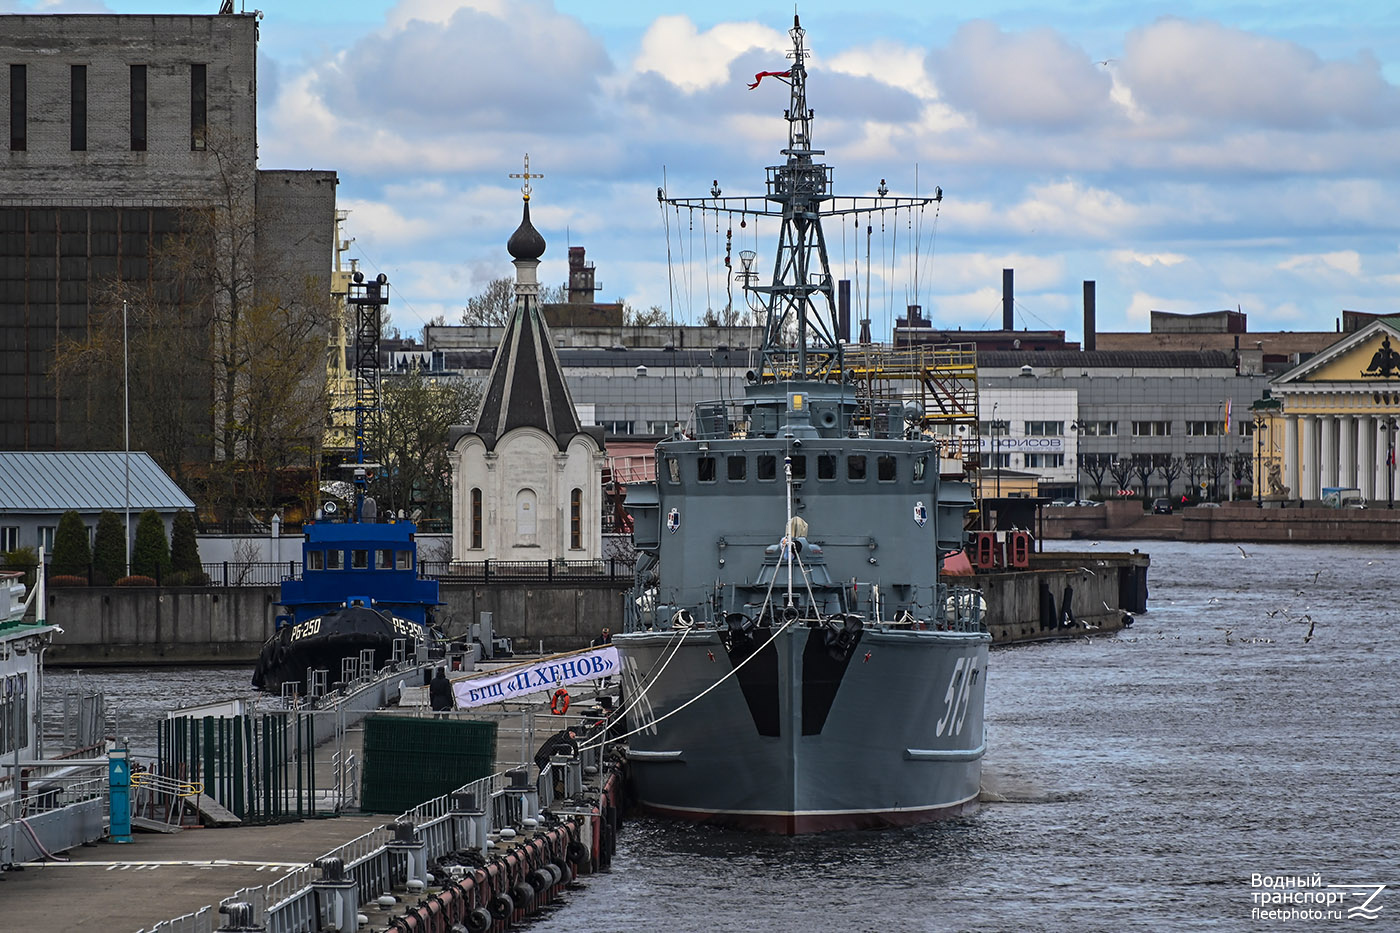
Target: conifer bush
71, 555
150, 557
109, 549
186, 569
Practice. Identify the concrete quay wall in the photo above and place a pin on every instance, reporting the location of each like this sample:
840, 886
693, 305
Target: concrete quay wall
139, 626
195, 625
1237, 521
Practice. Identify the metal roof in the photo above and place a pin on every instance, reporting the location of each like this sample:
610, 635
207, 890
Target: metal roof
88, 481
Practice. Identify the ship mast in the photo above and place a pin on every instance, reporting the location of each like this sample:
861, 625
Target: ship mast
800, 338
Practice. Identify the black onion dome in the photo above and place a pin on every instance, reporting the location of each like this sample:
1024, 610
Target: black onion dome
526, 242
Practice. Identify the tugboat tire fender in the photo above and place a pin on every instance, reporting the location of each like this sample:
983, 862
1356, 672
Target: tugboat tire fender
502, 906
479, 920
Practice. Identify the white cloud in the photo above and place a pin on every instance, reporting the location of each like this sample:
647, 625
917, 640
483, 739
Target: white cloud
692, 60
1128, 256
1214, 73
1345, 262
1034, 79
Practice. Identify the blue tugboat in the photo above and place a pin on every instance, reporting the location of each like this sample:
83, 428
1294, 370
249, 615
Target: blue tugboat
359, 590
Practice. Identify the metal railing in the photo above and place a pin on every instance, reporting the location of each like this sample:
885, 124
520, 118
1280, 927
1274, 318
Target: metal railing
527, 571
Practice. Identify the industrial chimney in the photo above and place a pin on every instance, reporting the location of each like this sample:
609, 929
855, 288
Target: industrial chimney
1090, 334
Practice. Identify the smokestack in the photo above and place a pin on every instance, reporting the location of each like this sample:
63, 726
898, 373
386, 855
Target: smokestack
1008, 301
843, 310
1091, 338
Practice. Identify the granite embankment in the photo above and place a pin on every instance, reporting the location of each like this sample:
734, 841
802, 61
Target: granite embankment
1234, 521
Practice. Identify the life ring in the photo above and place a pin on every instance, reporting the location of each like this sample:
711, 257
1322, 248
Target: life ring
559, 703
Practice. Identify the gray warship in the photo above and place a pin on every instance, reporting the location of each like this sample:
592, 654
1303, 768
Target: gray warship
791, 662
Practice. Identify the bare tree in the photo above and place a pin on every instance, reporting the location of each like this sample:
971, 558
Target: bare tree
1242, 469
651, 317
1144, 465
1170, 467
1096, 466
1122, 472
496, 303
409, 439
1216, 465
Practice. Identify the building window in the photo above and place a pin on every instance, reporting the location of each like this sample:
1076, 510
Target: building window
826, 466
46, 537
476, 518
576, 519
618, 427
884, 466
1152, 429
1045, 429
1099, 428
738, 466
525, 517
1246, 428
705, 469
855, 468
9, 539
767, 467
998, 461
77, 108
199, 109
1045, 461
19, 108
138, 108
1205, 428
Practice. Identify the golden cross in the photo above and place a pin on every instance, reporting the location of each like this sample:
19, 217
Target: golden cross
527, 175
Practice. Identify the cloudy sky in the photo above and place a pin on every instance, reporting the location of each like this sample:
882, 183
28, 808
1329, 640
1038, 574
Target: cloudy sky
1188, 156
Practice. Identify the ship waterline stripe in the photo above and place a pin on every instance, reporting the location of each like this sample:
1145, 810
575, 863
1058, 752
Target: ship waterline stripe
637, 754
804, 813
946, 754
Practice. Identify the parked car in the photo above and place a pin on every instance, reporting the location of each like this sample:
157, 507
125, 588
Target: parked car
1161, 506
1207, 505
1062, 502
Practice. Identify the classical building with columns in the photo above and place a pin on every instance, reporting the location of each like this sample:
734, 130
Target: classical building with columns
1337, 415
527, 479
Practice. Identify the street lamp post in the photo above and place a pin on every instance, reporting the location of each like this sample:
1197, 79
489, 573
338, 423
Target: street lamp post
1078, 429
1260, 426
996, 447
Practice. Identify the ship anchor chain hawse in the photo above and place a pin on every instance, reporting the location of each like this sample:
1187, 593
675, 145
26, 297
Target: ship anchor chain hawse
791, 661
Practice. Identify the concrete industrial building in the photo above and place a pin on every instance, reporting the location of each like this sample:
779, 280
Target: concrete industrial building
118, 126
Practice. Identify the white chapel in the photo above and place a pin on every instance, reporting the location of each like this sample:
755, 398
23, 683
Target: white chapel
526, 478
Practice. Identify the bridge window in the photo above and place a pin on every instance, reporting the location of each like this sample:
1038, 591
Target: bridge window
705, 469
385, 560
767, 467
359, 559
886, 469
920, 466
799, 467
405, 560
335, 559
855, 468
738, 467
826, 466
315, 560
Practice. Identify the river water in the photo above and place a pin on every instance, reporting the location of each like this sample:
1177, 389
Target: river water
1133, 782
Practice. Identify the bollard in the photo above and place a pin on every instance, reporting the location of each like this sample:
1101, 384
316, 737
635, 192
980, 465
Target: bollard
413, 847
240, 918
337, 894
119, 786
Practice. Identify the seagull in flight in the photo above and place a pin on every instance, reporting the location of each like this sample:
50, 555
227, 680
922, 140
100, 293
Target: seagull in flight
1313, 624
1243, 552
1104, 63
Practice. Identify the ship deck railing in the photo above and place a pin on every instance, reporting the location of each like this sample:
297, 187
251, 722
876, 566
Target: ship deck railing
528, 571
